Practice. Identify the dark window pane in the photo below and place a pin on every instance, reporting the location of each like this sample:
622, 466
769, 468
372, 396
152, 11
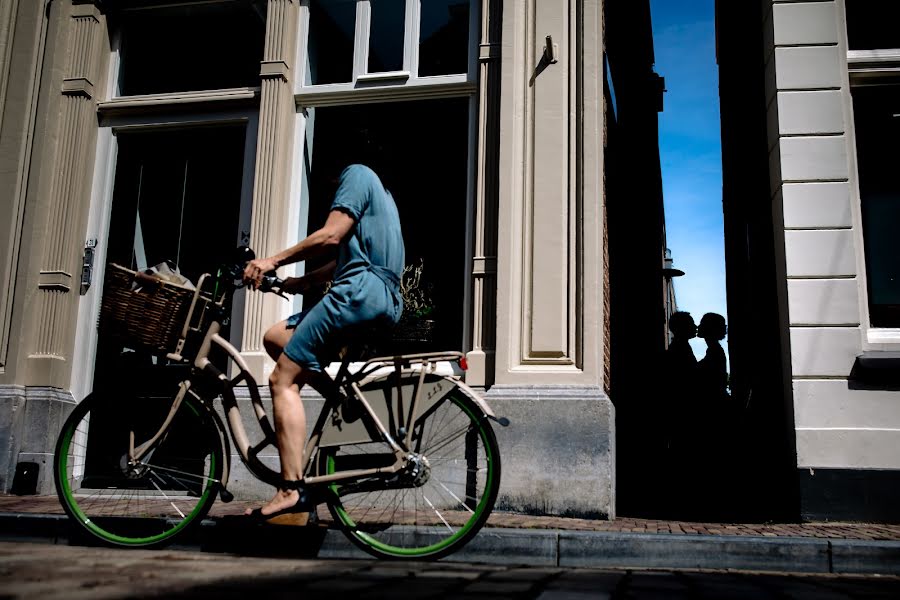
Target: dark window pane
873, 24
877, 115
332, 26
444, 41
181, 188
386, 35
191, 47
411, 145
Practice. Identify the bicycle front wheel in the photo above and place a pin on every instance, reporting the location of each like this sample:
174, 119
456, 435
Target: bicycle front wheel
152, 501
439, 503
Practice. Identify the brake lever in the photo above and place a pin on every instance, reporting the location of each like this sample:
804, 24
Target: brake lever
273, 285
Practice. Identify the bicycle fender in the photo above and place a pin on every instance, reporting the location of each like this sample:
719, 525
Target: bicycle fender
478, 400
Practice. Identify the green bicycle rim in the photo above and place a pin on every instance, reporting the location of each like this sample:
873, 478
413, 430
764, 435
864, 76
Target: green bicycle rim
86, 522
348, 522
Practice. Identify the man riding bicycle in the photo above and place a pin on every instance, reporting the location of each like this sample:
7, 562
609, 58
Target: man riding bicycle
363, 231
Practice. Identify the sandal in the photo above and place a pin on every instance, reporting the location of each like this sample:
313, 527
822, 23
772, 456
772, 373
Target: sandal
304, 504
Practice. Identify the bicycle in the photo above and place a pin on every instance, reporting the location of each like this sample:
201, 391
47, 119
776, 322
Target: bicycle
405, 459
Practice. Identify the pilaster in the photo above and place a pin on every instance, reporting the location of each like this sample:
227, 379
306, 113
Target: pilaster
549, 356
53, 326
549, 270
22, 40
269, 228
484, 259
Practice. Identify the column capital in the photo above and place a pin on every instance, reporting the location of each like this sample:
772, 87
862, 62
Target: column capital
78, 86
274, 69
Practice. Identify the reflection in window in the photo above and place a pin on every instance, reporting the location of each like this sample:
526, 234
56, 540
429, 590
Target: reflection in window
877, 116
444, 37
332, 26
191, 47
386, 35
872, 24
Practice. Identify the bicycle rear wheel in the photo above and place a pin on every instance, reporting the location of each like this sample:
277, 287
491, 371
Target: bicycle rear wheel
433, 511
137, 505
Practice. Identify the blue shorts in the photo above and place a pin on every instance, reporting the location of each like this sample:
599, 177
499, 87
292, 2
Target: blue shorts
317, 331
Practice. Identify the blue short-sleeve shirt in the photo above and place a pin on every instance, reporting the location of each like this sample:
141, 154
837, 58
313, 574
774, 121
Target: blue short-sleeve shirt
369, 264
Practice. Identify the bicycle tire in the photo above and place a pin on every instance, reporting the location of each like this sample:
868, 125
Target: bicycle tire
146, 507
404, 523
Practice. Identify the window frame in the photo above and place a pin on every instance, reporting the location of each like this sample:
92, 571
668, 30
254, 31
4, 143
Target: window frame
390, 85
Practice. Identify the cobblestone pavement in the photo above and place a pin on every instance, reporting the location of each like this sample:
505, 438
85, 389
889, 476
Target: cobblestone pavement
831, 530
50, 572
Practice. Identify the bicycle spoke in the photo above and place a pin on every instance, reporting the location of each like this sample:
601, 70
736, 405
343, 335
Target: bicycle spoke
178, 510
437, 512
192, 475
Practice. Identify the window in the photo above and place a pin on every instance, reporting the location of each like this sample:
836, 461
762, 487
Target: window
177, 197
443, 37
356, 43
422, 159
872, 24
877, 120
873, 58
190, 46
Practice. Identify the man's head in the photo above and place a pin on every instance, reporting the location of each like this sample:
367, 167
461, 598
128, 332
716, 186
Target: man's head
681, 324
360, 144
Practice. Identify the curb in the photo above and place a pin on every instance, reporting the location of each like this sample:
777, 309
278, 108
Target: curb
534, 547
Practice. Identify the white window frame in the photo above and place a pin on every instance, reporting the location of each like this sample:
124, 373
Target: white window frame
391, 85
865, 67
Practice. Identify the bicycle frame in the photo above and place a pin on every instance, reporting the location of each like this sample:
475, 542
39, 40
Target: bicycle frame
418, 388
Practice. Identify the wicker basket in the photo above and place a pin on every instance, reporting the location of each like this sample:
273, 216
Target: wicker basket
149, 317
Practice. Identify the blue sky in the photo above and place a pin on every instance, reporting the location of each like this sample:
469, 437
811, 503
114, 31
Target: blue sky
684, 42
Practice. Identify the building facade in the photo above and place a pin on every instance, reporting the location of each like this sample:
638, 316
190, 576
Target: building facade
810, 104
139, 132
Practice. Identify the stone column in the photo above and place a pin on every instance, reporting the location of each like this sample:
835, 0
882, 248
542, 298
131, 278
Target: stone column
52, 334
549, 358
269, 229
484, 260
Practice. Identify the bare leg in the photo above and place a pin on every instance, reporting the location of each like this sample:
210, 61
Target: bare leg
276, 338
290, 428
285, 383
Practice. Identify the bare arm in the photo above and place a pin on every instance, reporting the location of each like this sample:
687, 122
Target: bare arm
321, 241
299, 285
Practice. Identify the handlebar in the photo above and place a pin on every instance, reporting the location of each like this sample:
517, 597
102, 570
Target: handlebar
269, 283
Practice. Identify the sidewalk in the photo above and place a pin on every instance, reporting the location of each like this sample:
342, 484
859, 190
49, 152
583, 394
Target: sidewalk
545, 541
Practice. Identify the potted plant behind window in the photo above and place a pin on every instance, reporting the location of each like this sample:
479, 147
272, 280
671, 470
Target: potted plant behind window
416, 326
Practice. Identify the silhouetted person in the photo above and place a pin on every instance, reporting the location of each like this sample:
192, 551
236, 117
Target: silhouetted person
680, 358
712, 376
680, 410
716, 421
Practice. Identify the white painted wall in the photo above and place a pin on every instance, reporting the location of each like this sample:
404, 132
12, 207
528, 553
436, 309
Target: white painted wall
813, 184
